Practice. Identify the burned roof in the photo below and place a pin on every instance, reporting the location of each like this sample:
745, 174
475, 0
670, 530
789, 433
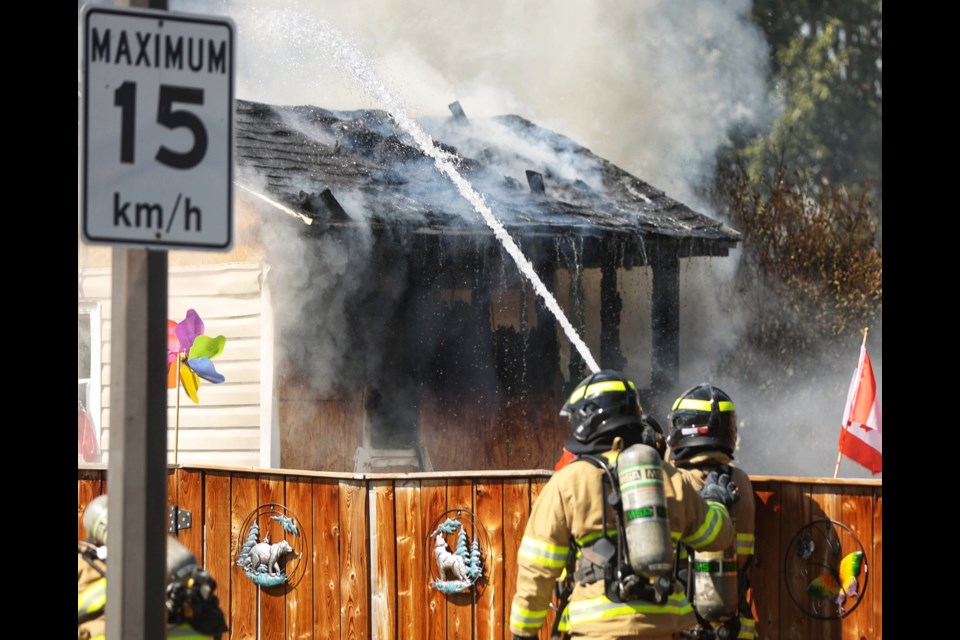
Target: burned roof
350, 167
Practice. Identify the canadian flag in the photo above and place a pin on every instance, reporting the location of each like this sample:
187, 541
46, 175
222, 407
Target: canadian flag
861, 435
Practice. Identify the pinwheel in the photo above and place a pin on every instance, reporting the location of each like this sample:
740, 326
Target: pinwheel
190, 355
189, 358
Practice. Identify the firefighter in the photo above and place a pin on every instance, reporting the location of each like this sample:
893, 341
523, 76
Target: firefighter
702, 437
193, 610
575, 525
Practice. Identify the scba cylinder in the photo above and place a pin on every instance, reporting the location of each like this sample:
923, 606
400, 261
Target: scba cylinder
647, 528
95, 519
715, 584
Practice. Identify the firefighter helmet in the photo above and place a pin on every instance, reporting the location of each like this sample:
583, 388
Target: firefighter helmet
703, 418
602, 403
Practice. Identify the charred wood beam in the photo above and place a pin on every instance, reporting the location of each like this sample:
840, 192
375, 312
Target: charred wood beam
544, 353
665, 316
535, 180
485, 360
611, 306
386, 337
577, 367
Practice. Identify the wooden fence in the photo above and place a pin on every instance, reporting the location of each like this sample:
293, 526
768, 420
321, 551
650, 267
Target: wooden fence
367, 564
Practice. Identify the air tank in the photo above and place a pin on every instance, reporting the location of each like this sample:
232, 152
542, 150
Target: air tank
715, 594
647, 528
95, 519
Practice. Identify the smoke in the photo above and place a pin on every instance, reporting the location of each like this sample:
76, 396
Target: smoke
652, 86
790, 412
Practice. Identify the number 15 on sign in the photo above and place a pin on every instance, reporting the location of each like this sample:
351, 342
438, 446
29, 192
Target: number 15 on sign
158, 108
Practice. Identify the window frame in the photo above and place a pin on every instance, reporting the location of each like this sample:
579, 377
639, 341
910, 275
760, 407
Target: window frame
92, 402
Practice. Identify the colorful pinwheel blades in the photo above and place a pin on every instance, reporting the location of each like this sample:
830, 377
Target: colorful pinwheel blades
190, 354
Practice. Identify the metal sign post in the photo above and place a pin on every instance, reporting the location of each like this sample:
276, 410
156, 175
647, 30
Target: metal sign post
137, 470
157, 165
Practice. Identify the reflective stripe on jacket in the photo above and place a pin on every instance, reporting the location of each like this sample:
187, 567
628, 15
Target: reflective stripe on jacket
90, 601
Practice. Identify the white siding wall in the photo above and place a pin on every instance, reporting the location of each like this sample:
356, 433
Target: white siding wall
224, 428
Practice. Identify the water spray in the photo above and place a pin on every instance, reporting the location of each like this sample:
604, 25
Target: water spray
446, 163
299, 216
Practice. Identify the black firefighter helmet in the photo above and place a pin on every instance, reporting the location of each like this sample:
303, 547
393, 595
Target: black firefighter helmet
703, 419
606, 404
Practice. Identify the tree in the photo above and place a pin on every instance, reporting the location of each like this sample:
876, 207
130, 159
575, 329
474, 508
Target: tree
827, 82
811, 271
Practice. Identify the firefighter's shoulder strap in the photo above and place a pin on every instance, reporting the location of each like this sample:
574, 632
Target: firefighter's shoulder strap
613, 497
596, 558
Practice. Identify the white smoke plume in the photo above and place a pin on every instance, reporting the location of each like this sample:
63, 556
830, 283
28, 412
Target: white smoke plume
652, 86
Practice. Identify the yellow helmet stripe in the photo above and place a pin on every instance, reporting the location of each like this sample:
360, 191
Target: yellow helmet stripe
596, 388
692, 404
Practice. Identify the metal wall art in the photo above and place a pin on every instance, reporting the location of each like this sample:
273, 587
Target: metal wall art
272, 545
459, 569
825, 568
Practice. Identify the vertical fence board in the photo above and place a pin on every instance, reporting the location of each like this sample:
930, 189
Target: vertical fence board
354, 577
829, 501
765, 590
171, 487
460, 606
433, 501
218, 544
383, 560
326, 568
244, 593
273, 606
876, 583
856, 511
794, 624
190, 497
490, 605
516, 510
825, 501
299, 500
412, 556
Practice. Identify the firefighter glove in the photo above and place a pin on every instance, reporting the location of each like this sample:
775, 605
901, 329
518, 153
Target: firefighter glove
720, 488
652, 436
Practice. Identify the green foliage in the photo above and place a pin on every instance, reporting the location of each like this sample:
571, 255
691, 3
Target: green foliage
806, 193
811, 269
827, 82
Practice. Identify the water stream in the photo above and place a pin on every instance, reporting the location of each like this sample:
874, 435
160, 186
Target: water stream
351, 59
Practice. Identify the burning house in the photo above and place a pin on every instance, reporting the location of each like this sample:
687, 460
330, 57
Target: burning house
407, 336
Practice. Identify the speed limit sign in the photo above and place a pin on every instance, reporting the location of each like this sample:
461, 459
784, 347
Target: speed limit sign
158, 109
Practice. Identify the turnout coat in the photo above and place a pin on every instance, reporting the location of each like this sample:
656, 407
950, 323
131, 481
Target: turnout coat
569, 513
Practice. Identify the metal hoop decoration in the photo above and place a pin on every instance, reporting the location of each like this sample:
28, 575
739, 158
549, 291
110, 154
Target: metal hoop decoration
265, 559
460, 570
812, 567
